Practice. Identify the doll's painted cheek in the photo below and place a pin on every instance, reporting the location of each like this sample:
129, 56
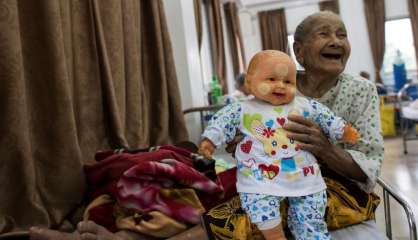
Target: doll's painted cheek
263, 89
281, 70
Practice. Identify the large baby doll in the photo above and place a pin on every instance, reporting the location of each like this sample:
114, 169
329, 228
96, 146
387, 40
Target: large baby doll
271, 166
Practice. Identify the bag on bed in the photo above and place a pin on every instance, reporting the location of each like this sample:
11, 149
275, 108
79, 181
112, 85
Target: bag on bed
387, 118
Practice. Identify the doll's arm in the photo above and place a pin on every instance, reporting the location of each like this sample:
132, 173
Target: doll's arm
333, 126
351, 135
221, 128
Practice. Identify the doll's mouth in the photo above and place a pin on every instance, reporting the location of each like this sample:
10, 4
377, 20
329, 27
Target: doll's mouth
279, 95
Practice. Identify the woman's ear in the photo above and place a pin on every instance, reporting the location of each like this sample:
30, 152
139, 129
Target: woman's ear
298, 50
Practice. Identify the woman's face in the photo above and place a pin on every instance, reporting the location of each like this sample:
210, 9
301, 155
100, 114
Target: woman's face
326, 47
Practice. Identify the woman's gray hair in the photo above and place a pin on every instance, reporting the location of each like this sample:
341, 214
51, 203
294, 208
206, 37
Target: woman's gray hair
303, 28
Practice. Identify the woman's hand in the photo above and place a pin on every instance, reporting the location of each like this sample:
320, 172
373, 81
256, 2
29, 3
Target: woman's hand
309, 135
312, 139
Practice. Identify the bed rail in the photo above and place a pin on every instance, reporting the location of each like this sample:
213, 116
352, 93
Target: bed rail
388, 191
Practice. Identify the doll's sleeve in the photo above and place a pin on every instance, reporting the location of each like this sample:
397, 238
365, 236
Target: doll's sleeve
333, 126
223, 125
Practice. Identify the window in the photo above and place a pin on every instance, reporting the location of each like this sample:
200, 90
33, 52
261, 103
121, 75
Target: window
398, 36
290, 41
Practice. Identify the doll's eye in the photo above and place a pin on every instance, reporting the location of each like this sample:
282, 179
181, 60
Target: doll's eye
271, 79
274, 143
287, 82
292, 141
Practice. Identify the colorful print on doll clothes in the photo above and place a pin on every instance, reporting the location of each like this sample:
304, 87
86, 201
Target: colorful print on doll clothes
306, 213
268, 162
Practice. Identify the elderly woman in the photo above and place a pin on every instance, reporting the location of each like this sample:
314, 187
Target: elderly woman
322, 48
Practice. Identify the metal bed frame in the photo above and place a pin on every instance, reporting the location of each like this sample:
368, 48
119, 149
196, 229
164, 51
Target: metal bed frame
388, 191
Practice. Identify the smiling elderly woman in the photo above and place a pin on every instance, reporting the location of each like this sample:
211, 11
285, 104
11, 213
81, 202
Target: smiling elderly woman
350, 170
321, 46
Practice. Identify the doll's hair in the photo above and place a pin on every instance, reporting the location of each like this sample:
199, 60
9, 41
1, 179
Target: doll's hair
255, 60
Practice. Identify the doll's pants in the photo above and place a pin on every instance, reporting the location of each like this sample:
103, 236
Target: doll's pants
305, 214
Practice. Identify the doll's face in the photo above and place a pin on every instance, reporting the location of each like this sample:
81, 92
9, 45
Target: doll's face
271, 77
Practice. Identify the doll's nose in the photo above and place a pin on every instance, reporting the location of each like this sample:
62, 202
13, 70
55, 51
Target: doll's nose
284, 146
280, 84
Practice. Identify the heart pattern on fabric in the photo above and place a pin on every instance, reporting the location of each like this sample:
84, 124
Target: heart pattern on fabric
269, 171
246, 147
281, 121
269, 123
248, 162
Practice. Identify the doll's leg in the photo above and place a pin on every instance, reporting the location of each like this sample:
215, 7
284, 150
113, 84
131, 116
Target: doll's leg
306, 217
263, 210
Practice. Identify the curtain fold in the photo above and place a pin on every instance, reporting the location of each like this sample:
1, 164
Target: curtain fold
235, 37
330, 5
213, 14
198, 19
273, 30
375, 17
413, 14
76, 77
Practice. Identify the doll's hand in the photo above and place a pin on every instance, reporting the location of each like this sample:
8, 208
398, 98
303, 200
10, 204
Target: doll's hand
206, 148
351, 135
309, 134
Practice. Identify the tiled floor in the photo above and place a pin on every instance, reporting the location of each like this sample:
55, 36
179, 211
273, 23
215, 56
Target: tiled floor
401, 172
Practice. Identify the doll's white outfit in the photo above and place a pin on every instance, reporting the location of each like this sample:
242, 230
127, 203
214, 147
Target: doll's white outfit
271, 166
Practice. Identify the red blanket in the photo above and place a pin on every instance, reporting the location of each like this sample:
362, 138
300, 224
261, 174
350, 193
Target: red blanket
142, 182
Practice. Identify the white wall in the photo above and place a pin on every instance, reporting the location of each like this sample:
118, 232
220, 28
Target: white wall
182, 29
352, 13
250, 24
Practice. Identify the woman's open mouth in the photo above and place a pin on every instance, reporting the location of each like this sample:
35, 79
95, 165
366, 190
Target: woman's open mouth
332, 56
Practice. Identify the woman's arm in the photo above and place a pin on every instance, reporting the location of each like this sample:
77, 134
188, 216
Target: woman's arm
362, 111
312, 139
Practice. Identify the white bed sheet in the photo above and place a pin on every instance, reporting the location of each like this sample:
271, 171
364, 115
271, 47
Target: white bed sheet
365, 231
410, 113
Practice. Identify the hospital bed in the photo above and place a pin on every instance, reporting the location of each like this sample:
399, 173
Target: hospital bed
408, 114
388, 192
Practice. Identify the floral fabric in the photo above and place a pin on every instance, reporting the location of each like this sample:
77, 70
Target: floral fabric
356, 100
